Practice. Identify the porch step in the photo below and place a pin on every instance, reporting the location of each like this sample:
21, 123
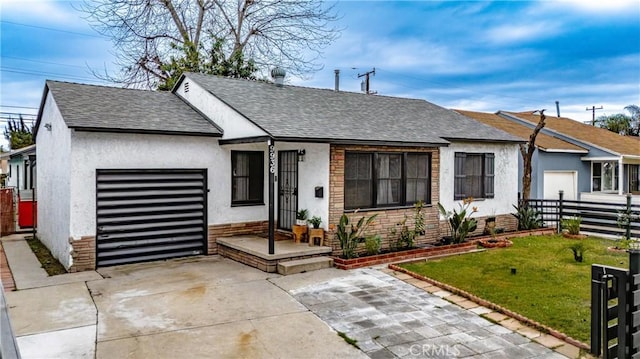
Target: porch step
304, 265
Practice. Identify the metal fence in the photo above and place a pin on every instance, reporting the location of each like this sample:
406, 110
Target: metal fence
612, 219
615, 314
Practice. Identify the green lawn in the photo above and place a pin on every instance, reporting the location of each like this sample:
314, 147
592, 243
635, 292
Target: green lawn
549, 287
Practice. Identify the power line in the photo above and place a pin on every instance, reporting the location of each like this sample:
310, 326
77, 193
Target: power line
10, 106
45, 74
51, 29
47, 62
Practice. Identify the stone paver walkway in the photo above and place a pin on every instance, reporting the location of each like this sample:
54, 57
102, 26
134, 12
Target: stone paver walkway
393, 319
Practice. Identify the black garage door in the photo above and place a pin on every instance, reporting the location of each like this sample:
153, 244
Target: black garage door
145, 215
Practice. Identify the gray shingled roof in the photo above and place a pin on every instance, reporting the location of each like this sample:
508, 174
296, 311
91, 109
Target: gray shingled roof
322, 114
127, 110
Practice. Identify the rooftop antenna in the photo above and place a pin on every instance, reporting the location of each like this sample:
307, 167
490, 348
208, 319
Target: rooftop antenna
365, 84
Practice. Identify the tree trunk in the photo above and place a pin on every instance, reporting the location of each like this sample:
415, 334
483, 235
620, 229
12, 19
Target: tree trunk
527, 150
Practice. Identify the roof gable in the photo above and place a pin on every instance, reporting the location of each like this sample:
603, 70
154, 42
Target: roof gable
112, 109
291, 112
595, 136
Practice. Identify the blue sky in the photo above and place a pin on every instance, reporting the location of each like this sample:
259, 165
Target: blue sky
476, 55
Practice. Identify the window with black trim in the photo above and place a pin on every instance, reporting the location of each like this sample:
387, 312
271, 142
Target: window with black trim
474, 175
247, 177
379, 180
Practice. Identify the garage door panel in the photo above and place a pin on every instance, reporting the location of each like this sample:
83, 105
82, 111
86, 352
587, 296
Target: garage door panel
554, 181
146, 215
134, 218
148, 202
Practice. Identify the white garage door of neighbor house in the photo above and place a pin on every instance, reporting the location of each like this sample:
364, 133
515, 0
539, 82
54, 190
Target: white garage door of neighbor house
147, 214
556, 181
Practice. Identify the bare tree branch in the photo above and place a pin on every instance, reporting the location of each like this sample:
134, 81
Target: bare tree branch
148, 34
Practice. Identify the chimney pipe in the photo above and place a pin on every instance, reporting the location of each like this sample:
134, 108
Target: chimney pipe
337, 84
558, 108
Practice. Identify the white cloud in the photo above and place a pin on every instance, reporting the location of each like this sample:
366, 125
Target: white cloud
506, 34
49, 11
595, 6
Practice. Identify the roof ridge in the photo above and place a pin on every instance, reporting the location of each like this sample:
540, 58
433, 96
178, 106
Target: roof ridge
102, 86
308, 87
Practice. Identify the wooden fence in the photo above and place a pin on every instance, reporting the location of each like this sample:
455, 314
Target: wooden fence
7, 212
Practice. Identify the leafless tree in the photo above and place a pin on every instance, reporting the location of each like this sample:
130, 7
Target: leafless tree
147, 34
527, 150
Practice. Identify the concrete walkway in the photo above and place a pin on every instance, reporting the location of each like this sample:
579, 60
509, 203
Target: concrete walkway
211, 307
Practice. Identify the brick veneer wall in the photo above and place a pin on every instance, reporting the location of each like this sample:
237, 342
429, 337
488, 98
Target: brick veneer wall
387, 218
233, 229
83, 253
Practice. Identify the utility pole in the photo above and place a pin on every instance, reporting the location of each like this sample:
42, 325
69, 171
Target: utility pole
593, 116
366, 88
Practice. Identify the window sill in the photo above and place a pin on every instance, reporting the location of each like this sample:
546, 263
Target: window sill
246, 204
379, 209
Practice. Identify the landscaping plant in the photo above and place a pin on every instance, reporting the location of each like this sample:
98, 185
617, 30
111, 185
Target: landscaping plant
302, 214
372, 244
315, 221
350, 234
460, 221
572, 225
402, 239
578, 249
418, 218
528, 218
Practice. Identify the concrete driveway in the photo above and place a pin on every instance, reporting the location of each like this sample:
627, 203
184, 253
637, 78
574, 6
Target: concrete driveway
206, 307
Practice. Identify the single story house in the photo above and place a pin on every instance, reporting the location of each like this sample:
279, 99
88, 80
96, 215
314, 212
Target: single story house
588, 163
556, 164
132, 175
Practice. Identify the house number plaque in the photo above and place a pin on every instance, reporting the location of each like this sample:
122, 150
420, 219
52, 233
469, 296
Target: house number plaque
272, 159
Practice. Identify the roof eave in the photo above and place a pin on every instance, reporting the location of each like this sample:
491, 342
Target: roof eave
142, 131
454, 139
333, 141
45, 92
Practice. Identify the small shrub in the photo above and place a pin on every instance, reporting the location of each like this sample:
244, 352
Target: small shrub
418, 218
400, 236
350, 234
528, 218
572, 225
460, 221
372, 244
315, 221
578, 249
302, 214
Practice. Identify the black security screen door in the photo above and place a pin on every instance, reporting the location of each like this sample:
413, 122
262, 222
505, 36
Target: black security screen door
287, 188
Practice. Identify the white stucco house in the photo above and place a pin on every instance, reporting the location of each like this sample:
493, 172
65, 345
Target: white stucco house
131, 175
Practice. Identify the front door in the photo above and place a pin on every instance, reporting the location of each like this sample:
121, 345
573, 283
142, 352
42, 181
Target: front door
287, 188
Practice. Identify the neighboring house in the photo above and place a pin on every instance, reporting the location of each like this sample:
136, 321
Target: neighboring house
22, 171
556, 164
132, 175
4, 168
588, 163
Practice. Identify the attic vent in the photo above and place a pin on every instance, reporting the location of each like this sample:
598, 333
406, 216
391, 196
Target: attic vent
186, 87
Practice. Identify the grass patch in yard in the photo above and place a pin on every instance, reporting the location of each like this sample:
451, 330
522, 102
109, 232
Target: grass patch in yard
549, 286
47, 260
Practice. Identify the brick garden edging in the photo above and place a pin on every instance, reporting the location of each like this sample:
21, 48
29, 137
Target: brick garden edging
485, 303
419, 253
